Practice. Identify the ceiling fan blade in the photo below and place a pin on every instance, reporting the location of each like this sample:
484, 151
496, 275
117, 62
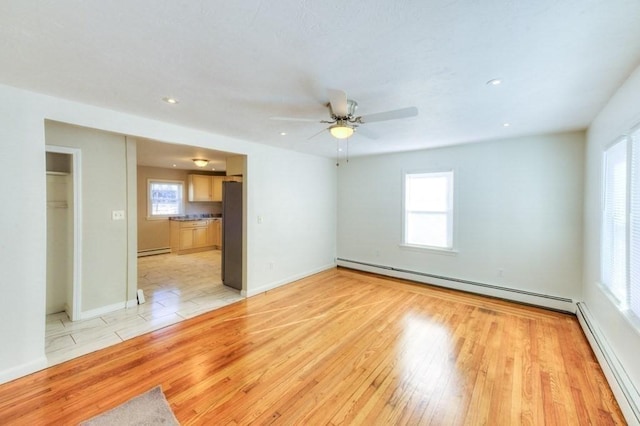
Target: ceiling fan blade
362, 130
338, 101
321, 131
313, 120
390, 115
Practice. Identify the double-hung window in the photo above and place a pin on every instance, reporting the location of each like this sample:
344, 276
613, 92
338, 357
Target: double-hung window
428, 209
620, 239
165, 198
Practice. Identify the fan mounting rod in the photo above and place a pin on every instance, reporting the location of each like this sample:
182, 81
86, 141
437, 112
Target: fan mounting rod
352, 106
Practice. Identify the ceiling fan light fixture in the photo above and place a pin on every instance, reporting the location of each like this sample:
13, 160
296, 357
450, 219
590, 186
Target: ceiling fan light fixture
200, 162
341, 131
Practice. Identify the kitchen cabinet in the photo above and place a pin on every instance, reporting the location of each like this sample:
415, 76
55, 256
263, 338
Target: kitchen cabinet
217, 187
215, 232
205, 188
190, 236
200, 188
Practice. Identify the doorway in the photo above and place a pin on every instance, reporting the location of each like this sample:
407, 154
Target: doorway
63, 231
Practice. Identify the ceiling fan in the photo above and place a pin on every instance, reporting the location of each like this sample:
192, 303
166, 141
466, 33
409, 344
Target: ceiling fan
344, 122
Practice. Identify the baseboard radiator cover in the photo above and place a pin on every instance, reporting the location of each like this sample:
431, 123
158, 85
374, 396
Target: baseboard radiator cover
623, 388
523, 296
152, 252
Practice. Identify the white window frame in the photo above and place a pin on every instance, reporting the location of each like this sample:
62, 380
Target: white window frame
150, 215
450, 212
632, 268
605, 280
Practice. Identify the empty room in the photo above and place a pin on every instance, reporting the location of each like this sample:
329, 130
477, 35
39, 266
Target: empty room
333, 213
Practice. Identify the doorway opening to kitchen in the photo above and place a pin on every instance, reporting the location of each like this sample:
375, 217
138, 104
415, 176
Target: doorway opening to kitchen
63, 231
180, 225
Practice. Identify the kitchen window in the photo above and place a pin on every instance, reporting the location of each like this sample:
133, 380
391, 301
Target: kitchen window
620, 242
165, 198
428, 210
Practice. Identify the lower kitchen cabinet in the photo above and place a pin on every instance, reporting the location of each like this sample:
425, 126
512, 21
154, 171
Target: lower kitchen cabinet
215, 233
190, 236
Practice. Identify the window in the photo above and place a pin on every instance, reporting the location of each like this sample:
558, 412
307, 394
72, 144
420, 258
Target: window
166, 198
620, 253
614, 220
634, 225
428, 209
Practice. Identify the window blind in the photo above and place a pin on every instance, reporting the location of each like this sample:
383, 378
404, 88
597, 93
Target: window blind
614, 227
634, 225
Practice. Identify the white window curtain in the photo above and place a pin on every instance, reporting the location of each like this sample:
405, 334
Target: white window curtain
614, 227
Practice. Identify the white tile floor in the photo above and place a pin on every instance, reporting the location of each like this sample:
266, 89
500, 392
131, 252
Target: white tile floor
175, 288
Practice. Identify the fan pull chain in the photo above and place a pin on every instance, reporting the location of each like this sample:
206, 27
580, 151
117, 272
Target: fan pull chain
337, 152
348, 139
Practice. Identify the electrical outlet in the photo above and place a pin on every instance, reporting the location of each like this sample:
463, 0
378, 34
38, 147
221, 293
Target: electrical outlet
260, 219
117, 215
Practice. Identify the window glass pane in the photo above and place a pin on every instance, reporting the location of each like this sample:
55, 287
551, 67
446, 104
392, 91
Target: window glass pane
428, 193
428, 209
614, 245
165, 198
428, 229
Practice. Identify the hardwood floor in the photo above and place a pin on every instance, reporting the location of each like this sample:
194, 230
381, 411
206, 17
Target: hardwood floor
340, 347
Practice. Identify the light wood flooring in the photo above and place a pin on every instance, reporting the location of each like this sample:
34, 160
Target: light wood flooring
176, 287
340, 348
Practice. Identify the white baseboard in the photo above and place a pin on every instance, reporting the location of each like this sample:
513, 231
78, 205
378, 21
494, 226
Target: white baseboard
275, 284
623, 388
508, 293
93, 313
23, 369
152, 252
131, 303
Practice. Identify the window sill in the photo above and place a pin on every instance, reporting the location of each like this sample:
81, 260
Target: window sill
428, 249
629, 316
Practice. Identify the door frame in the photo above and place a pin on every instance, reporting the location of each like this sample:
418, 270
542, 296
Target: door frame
74, 311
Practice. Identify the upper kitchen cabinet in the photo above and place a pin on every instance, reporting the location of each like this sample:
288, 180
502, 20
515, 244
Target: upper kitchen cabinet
217, 187
200, 188
205, 188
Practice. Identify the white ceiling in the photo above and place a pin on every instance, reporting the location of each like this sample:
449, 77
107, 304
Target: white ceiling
233, 65
166, 155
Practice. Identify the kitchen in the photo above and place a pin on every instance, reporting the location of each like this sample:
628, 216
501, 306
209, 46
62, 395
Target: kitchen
189, 210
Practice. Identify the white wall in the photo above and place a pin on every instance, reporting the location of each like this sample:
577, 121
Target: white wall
104, 189
519, 209
619, 115
297, 236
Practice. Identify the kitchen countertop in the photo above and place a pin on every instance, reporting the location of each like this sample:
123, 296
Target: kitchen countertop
195, 217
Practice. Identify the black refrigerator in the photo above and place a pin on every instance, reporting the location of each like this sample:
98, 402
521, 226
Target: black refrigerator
232, 234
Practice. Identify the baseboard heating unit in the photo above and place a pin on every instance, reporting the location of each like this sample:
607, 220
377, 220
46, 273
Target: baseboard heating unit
151, 252
523, 296
623, 388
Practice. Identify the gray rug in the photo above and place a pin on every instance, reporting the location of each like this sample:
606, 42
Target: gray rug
150, 408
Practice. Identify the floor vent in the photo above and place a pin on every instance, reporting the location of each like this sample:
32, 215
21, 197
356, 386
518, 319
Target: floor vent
152, 252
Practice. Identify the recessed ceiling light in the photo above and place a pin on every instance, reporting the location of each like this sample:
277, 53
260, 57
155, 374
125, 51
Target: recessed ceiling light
170, 100
494, 82
506, 124
213, 168
174, 165
283, 133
